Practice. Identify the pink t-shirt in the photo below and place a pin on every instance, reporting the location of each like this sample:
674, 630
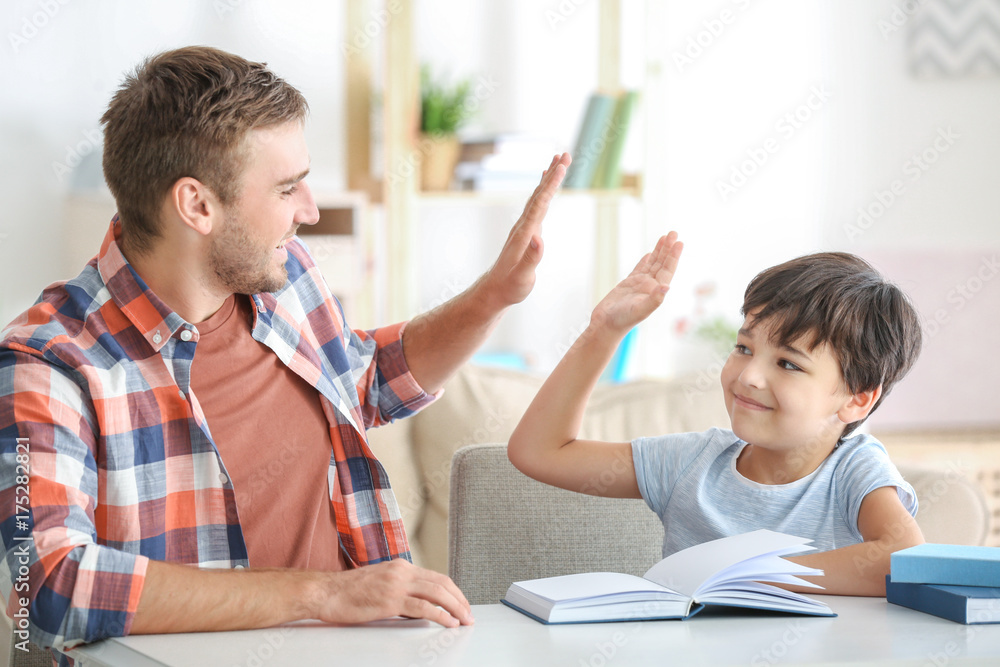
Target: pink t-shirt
274, 440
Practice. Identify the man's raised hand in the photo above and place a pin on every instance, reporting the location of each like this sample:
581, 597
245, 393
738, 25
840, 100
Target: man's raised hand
513, 274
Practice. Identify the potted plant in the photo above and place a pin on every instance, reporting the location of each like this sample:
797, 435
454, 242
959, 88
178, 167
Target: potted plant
443, 110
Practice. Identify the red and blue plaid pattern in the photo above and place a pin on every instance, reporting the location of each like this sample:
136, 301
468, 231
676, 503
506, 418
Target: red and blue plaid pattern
95, 382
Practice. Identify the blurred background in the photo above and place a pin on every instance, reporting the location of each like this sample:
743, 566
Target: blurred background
762, 131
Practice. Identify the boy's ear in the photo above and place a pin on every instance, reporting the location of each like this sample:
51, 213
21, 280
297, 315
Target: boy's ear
859, 405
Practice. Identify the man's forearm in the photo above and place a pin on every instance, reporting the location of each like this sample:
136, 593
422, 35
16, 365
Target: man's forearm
438, 342
180, 598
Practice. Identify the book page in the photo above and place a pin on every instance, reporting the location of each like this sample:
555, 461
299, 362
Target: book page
689, 570
588, 585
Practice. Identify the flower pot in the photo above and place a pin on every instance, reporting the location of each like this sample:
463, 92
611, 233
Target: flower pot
439, 155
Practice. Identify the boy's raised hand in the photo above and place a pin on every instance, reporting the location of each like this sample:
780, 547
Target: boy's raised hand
642, 291
545, 444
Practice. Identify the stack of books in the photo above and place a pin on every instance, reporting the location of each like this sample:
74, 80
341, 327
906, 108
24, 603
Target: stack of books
600, 142
960, 583
503, 163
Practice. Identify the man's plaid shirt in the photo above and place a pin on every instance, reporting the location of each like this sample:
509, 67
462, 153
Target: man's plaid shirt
95, 384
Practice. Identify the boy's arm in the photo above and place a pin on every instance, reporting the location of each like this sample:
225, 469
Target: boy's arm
544, 444
860, 569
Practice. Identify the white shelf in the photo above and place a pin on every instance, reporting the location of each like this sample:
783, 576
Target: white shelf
517, 197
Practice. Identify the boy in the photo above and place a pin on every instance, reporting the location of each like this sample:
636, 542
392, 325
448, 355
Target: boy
824, 339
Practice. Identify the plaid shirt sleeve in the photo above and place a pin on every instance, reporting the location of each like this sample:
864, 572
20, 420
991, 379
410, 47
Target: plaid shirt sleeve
387, 389
75, 589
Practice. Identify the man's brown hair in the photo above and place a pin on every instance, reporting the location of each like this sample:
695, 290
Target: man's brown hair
840, 299
186, 113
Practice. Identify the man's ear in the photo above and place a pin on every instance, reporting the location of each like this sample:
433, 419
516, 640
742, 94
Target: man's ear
195, 204
859, 405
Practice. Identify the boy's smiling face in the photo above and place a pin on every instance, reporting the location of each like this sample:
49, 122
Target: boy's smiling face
786, 400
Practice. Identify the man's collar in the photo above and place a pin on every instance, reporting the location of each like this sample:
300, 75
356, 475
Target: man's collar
153, 318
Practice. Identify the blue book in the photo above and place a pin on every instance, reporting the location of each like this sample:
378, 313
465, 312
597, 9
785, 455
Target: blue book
953, 564
591, 141
609, 174
971, 605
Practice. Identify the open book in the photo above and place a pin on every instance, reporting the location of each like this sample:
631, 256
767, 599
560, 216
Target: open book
723, 572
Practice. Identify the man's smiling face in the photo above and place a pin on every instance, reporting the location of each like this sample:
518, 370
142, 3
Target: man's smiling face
247, 253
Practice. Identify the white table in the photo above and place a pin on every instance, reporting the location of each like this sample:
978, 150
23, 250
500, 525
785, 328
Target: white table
866, 630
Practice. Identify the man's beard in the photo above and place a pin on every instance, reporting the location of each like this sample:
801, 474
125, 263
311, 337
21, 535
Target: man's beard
241, 263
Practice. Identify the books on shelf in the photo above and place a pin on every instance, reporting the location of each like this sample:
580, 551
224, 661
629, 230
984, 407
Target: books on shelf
971, 605
506, 162
600, 141
953, 564
725, 572
514, 162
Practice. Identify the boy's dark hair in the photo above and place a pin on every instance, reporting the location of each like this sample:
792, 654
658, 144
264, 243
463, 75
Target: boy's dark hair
840, 299
186, 112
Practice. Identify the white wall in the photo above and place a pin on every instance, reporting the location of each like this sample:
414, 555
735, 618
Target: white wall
766, 60
735, 70
939, 232
61, 61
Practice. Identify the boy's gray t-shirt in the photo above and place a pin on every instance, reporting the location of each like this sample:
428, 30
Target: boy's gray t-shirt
691, 482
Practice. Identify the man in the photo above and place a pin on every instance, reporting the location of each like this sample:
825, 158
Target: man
199, 345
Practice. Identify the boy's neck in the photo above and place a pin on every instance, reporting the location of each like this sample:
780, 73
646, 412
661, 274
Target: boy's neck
771, 467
